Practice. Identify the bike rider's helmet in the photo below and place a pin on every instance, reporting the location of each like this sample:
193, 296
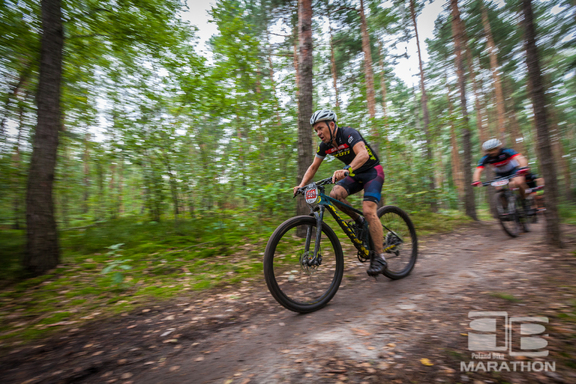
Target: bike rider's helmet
323, 115
491, 144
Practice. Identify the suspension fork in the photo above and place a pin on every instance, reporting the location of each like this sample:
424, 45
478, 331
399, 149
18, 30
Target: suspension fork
319, 218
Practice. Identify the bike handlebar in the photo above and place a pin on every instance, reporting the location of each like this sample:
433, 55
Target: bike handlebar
325, 181
486, 183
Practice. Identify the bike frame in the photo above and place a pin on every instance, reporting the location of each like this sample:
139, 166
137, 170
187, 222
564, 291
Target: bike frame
326, 203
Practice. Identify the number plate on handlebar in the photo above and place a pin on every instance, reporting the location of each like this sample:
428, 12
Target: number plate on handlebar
499, 183
311, 195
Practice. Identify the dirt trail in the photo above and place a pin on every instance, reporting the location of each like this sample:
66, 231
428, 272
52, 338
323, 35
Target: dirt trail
410, 330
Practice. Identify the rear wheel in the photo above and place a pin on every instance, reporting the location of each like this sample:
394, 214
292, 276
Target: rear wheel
400, 245
294, 283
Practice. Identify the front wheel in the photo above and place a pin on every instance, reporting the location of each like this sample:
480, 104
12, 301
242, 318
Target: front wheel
292, 280
400, 245
508, 213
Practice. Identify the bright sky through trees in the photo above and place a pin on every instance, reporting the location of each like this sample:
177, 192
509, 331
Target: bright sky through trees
406, 69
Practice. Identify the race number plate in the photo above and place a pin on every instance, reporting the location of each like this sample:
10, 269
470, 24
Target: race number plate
499, 183
312, 195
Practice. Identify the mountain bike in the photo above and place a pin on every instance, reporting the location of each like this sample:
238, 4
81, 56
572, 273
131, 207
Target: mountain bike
513, 214
304, 262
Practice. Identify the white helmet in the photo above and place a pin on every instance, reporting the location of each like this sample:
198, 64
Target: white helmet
322, 115
491, 144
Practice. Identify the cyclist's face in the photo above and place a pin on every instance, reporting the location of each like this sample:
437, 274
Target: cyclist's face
322, 130
493, 152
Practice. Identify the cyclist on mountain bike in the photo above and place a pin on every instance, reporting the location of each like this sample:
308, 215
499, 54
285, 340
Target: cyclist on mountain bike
506, 162
364, 172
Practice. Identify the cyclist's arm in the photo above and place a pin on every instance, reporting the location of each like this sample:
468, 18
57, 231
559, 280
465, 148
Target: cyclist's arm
362, 156
311, 171
522, 162
477, 173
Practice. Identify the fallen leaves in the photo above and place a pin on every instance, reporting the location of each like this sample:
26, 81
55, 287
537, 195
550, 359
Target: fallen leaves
361, 332
426, 362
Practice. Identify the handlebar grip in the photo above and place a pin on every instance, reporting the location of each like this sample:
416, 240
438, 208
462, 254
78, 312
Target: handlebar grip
346, 173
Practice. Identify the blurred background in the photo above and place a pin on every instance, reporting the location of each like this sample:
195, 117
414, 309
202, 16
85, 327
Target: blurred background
179, 122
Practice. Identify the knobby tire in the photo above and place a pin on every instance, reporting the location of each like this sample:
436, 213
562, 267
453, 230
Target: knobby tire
269, 260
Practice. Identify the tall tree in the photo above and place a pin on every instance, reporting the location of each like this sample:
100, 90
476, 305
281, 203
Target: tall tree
305, 101
425, 112
42, 251
500, 107
546, 156
368, 71
458, 33
333, 64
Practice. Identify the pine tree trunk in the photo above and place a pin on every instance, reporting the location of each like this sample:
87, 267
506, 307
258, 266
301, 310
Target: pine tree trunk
368, 73
273, 83
500, 108
558, 148
425, 113
297, 69
515, 132
482, 134
305, 101
42, 250
455, 156
545, 153
369, 77
382, 82
458, 33
333, 65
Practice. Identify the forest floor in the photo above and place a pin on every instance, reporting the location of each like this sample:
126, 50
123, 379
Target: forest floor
413, 330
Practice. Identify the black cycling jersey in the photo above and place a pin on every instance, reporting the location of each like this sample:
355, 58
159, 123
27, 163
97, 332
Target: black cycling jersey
346, 138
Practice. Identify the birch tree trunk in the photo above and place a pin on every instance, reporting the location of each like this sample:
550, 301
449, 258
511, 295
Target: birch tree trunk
545, 153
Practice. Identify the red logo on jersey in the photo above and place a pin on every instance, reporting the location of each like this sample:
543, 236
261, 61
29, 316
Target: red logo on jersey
332, 150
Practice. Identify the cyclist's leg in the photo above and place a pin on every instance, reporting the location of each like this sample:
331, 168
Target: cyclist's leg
373, 181
342, 190
520, 183
369, 209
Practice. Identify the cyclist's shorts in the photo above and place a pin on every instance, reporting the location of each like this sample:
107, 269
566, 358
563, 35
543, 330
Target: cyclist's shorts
370, 180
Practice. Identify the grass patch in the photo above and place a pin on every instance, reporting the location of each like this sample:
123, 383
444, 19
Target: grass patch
567, 213
164, 259
505, 296
443, 221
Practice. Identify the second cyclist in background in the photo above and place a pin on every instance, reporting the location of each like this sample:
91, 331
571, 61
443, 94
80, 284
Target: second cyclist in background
506, 162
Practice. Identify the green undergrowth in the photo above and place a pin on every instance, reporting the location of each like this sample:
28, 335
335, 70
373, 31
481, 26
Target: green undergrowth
162, 260
567, 213
445, 221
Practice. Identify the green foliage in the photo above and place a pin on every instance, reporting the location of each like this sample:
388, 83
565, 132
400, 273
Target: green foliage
116, 266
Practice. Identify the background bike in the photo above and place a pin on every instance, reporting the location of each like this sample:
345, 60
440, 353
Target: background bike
304, 263
513, 216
